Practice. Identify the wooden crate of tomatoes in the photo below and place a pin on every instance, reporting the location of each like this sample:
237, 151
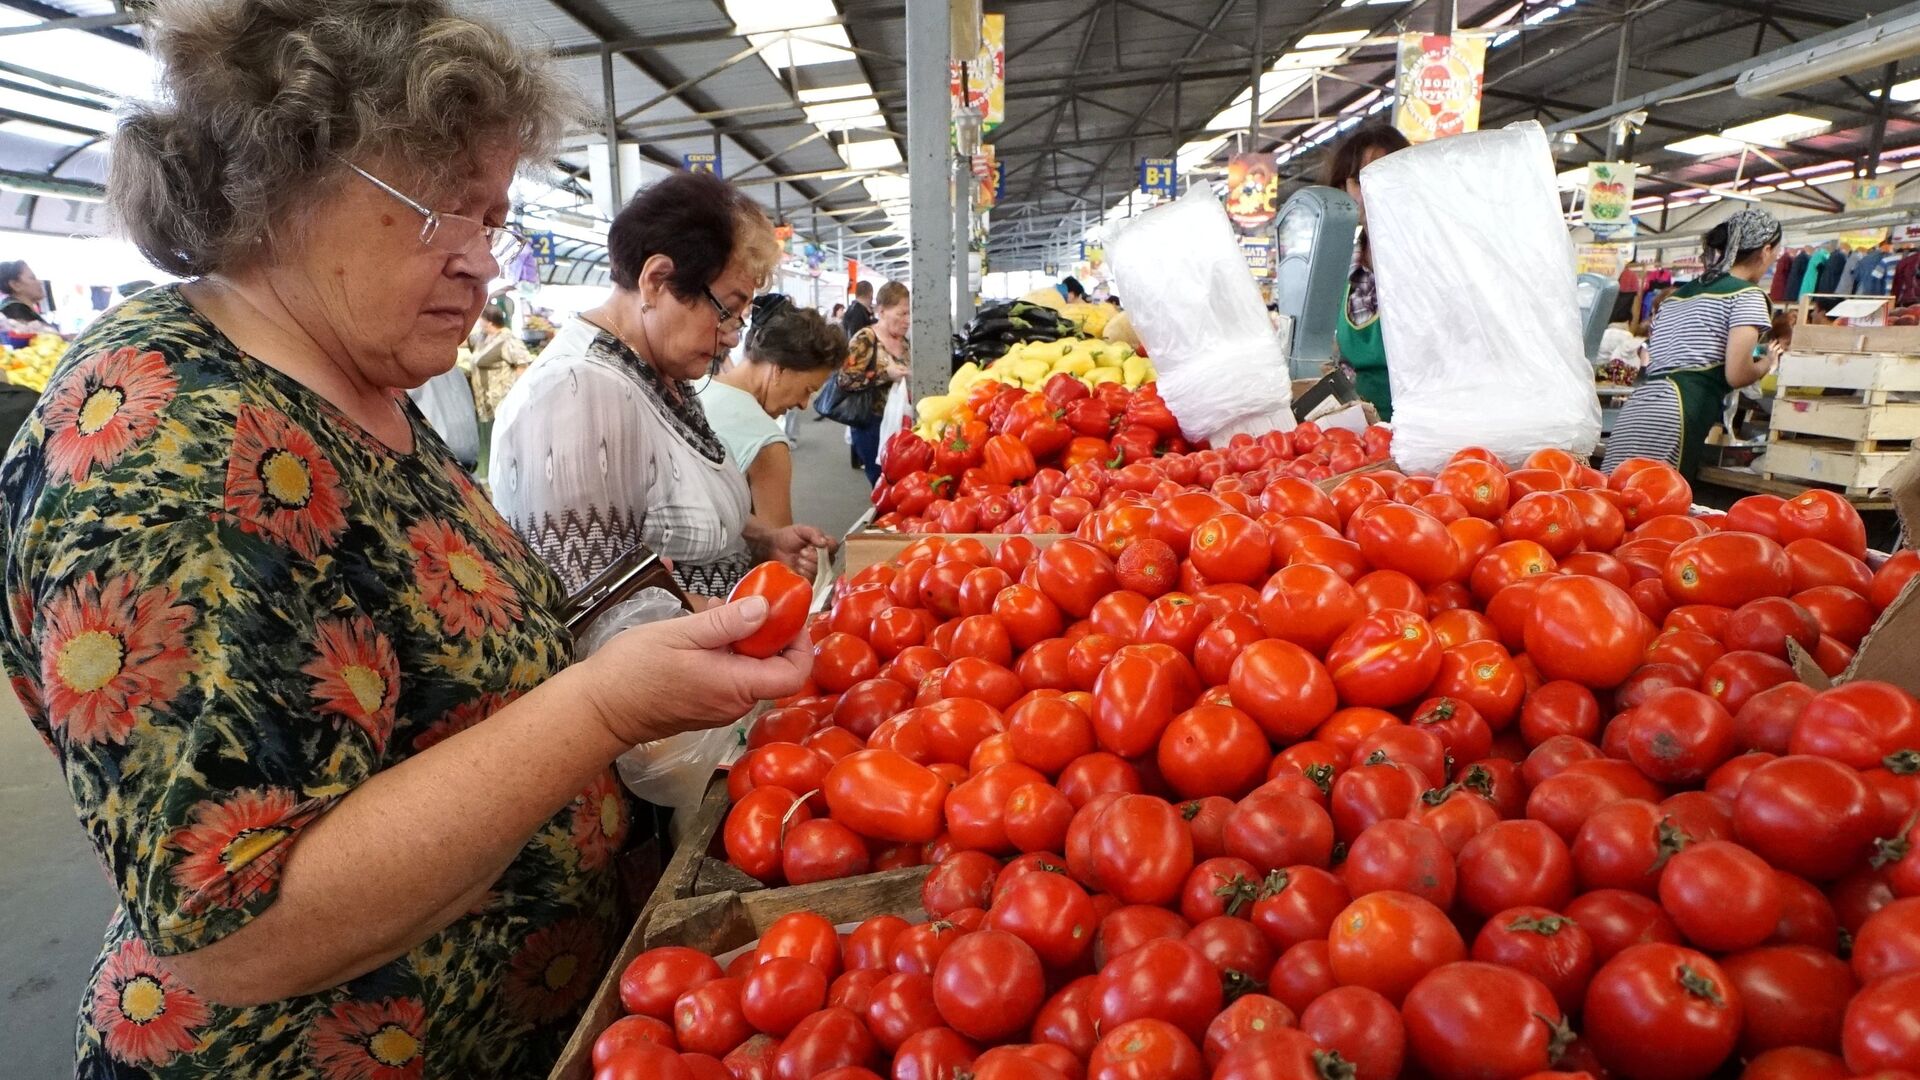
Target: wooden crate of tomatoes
1488, 774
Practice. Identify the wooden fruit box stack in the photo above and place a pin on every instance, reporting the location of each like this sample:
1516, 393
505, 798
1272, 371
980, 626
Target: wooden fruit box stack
1864, 411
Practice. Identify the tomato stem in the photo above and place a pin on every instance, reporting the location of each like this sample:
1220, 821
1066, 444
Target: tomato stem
1699, 985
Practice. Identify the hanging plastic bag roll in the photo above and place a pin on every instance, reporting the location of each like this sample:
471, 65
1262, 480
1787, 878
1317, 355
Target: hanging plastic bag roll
1477, 301
1195, 307
673, 771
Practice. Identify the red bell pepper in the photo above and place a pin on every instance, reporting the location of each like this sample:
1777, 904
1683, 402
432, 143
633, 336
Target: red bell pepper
1046, 437
907, 453
1008, 461
1134, 442
960, 448
1086, 450
1090, 416
915, 492
1063, 390
1148, 410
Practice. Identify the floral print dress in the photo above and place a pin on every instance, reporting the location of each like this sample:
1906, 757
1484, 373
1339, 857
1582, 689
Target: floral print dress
227, 606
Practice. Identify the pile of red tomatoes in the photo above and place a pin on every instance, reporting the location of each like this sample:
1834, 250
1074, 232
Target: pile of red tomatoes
978, 481
1483, 776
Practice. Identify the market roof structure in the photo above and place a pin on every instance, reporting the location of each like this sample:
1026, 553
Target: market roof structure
803, 101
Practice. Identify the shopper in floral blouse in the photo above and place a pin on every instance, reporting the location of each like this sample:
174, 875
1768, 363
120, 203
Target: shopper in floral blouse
308, 690
877, 356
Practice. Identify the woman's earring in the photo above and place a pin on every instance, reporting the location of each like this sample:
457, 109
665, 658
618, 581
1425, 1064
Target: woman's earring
646, 309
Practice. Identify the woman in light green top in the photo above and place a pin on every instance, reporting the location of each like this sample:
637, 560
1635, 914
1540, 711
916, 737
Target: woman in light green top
787, 357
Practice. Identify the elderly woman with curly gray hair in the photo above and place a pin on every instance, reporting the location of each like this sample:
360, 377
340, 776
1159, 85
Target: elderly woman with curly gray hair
309, 692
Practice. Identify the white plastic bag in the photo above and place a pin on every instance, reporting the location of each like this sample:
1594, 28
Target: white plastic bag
899, 404
1191, 301
1477, 300
673, 771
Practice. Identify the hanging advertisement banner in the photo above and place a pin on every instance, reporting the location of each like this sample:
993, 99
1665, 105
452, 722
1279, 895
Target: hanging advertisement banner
986, 75
1608, 205
1253, 190
1159, 176
1607, 260
1438, 86
1862, 195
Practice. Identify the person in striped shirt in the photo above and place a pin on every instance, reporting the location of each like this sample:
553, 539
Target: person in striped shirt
1704, 343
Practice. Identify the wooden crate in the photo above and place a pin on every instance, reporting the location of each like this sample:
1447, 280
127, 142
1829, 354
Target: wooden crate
681, 878
1848, 418
1866, 373
1856, 471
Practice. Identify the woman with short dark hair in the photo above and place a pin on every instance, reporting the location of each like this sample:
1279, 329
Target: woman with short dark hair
603, 446
21, 294
310, 694
789, 354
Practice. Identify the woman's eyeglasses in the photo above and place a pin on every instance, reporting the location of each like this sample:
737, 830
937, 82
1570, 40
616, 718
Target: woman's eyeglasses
729, 320
454, 232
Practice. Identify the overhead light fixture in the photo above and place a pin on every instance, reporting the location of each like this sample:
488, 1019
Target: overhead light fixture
1337, 37
1906, 91
817, 95
1705, 146
1777, 131
1841, 53
870, 154
756, 16
835, 112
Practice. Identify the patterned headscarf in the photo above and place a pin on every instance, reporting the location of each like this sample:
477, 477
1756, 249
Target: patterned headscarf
1747, 230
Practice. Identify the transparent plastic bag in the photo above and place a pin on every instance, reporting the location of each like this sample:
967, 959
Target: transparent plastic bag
673, 771
1477, 300
1192, 303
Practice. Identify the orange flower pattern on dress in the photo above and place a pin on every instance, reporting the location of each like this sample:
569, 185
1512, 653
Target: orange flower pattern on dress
600, 822
101, 407
145, 1016
377, 1040
458, 582
555, 970
227, 607
110, 655
280, 485
356, 676
234, 849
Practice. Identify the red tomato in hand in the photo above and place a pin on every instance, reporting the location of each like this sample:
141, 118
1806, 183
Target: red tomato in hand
787, 595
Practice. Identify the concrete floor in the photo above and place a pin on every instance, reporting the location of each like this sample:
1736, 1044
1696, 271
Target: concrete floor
54, 899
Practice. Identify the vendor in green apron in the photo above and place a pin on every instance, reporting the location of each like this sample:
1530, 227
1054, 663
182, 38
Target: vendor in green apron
1704, 343
1357, 340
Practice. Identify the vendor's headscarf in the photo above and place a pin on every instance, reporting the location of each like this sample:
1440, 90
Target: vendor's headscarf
1747, 230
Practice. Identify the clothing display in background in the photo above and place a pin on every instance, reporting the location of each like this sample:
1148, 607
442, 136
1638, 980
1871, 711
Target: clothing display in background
1906, 279
1797, 275
1858, 264
1831, 268
1810, 279
1782, 271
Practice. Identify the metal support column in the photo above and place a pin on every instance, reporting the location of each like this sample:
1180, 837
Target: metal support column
1621, 58
1259, 69
1445, 18
613, 131
962, 241
930, 255
1879, 136
719, 167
